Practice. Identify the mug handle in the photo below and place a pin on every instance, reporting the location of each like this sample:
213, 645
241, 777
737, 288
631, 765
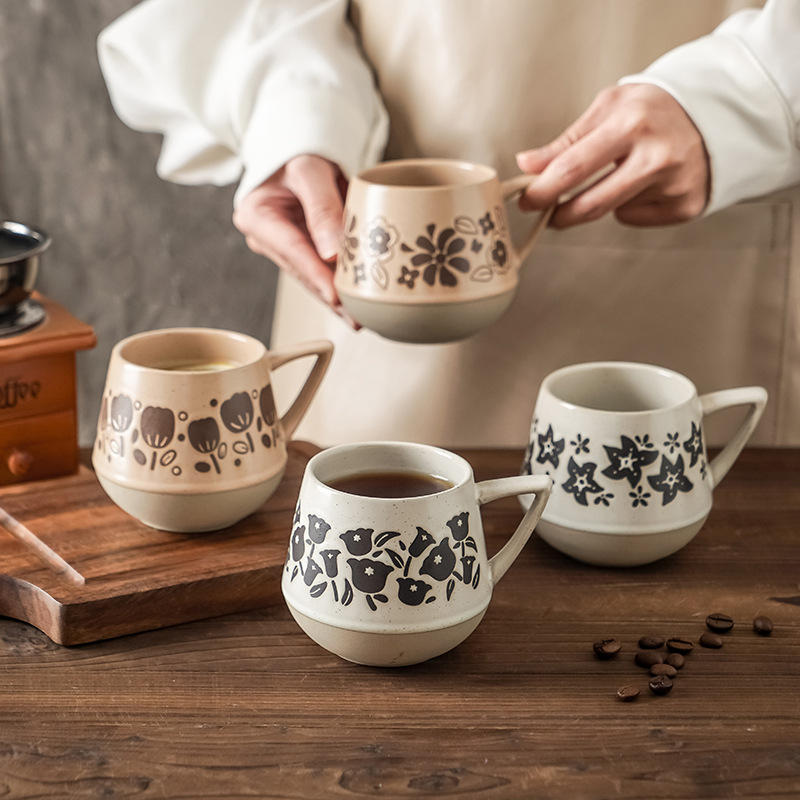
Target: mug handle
514, 186
486, 491
323, 350
753, 396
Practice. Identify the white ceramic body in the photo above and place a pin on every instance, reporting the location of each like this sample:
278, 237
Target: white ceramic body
427, 255
191, 451
390, 582
624, 445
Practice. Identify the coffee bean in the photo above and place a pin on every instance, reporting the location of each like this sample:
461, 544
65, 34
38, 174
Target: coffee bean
646, 658
719, 623
678, 645
661, 684
663, 669
627, 693
606, 648
651, 642
711, 640
762, 626
675, 660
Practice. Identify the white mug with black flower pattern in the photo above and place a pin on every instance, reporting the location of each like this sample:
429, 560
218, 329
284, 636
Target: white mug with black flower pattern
427, 255
624, 446
395, 581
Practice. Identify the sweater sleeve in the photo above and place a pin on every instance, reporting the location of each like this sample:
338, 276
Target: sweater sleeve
237, 88
741, 87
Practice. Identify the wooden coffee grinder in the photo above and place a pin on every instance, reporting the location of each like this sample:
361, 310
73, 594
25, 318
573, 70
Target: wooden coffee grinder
38, 341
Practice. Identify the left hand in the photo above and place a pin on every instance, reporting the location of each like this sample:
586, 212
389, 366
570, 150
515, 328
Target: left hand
660, 173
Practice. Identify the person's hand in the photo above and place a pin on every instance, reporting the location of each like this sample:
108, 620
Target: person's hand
658, 166
294, 218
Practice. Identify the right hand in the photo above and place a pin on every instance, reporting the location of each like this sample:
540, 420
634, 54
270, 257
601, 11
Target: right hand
294, 219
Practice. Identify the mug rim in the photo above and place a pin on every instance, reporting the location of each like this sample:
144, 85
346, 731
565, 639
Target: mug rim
629, 366
118, 352
483, 173
318, 460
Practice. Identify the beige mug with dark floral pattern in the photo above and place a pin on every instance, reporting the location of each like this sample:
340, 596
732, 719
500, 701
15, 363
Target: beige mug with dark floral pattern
188, 437
427, 255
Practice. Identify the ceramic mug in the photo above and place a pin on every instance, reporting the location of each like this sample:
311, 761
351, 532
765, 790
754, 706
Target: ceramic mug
624, 445
427, 255
396, 581
188, 438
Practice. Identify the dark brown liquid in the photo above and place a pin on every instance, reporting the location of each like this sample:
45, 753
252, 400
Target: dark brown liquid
390, 484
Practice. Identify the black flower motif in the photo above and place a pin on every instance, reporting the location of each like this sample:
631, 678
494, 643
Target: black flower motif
527, 467
439, 256
439, 562
467, 567
627, 461
644, 441
237, 415
499, 253
121, 412
204, 437
317, 529
694, 444
369, 576
486, 223
581, 480
639, 497
581, 444
604, 498
330, 559
299, 542
671, 442
358, 541
459, 526
412, 592
311, 571
296, 513
158, 428
266, 402
703, 469
421, 542
670, 480
549, 448
408, 276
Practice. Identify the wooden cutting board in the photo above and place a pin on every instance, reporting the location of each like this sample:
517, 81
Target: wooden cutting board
80, 569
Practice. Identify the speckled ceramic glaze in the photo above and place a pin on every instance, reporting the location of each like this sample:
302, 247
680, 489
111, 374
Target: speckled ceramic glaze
189, 450
625, 448
427, 253
388, 581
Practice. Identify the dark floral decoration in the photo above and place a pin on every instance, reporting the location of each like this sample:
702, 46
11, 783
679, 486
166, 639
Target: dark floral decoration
550, 448
670, 480
438, 257
581, 481
694, 444
627, 461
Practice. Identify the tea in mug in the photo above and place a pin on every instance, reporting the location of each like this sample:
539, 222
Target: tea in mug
390, 484
195, 366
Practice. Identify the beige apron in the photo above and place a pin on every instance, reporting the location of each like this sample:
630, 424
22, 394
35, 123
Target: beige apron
716, 299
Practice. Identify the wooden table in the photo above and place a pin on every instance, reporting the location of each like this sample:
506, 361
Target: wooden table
247, 706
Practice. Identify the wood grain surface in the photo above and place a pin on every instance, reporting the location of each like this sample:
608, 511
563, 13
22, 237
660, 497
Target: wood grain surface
80, 569
247, 706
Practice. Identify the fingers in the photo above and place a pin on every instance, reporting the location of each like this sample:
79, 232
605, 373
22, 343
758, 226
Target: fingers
613, 190
314, 181
573, 166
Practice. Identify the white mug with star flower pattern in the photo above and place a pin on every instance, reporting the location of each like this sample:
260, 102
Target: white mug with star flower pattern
395, 581
624, 445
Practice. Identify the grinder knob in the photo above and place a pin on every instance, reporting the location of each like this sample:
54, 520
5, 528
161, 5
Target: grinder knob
19, 462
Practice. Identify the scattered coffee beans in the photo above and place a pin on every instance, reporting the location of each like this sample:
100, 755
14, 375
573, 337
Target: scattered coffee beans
606, 648
719, 623
675, 660
678, 645
663, 669
711, 640
646, 658
627, 693
651, 642
762, 626
661, 684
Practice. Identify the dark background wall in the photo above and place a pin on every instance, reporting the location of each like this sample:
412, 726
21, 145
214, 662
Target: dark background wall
130, 252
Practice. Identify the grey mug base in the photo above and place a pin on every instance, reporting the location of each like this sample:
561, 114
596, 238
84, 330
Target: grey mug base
385, 649
617, 549
427, 323
191, 513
